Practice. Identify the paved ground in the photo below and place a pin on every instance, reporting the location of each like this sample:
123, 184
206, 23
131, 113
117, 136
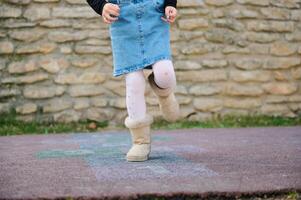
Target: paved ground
194, 161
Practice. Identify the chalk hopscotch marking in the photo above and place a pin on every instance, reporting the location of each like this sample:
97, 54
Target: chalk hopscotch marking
158, 169
64, 153
105, 154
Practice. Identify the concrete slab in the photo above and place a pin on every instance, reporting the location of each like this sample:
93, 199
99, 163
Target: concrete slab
191, 161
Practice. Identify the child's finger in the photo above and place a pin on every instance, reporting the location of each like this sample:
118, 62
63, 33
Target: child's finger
114, 7
173, 14
166, 13
164, 19
110, 18
113, 12
106, 21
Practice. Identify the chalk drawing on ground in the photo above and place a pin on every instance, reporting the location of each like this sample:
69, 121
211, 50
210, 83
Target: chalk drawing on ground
105, 154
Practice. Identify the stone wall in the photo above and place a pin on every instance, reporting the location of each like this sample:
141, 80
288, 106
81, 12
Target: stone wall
230, 56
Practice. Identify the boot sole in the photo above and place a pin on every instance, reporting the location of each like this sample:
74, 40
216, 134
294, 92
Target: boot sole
137, 159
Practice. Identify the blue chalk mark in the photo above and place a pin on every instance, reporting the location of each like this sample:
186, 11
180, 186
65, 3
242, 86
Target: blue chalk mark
158, 169
105, 154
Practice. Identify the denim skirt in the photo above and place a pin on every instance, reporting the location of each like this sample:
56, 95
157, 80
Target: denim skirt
139, 37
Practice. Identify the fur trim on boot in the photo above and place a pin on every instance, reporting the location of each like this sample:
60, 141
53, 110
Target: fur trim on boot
168, 104
141, 138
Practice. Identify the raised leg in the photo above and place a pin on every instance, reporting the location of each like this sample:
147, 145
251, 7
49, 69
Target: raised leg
164, 74
163, 83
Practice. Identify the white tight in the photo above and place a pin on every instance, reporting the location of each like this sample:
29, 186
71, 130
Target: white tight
164, 76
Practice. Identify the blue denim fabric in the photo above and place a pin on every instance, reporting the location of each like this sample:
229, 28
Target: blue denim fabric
139, 37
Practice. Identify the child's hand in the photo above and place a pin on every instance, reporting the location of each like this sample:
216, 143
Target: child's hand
110, 13
170, 13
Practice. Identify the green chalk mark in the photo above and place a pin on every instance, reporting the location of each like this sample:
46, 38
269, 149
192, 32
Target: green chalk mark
118, 139
107, 151
88, 149
64, 153
161, 138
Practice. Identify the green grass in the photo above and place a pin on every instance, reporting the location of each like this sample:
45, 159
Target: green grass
232, 121
9, 125
291, 195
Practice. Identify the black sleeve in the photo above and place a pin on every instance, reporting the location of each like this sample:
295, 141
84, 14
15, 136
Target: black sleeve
171, 3
97, 5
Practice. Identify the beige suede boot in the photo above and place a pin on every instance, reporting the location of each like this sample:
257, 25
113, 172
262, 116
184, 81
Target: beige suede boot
141, 138
167, 101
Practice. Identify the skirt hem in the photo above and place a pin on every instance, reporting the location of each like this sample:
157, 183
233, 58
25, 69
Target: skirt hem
140, 66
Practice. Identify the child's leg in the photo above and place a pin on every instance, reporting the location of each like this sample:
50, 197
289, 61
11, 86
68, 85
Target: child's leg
137, 121
135, 100
163, 83
164, 74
